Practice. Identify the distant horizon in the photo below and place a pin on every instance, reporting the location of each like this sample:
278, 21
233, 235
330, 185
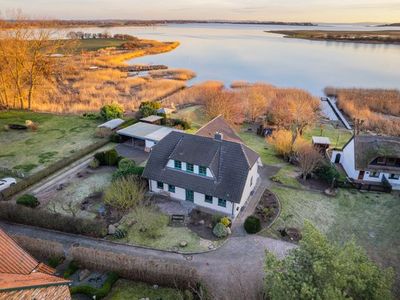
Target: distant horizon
318, 11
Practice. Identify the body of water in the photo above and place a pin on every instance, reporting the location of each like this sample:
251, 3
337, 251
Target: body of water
229, 52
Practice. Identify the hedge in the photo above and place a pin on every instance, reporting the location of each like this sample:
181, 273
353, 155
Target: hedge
12, 212
23, 184
252, 224
28, 200
98, 292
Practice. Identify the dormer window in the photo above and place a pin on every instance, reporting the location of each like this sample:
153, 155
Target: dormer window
381, 160
202, 171
178, 165
189, 168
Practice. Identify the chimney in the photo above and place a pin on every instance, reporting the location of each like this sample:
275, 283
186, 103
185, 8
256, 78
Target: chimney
218, 136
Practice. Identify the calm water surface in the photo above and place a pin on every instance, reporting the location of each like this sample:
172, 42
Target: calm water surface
229, 52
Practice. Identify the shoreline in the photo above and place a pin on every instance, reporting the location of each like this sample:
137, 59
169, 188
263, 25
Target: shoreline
388, 37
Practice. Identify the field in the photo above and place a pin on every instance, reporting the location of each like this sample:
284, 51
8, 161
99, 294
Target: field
376, 37
129, 290
372, 219
96, 44
338, 136
379, 109
56, 137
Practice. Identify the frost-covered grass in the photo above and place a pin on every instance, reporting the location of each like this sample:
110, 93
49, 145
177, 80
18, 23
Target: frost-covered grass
56, 137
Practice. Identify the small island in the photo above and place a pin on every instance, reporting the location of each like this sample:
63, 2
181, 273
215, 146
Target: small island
372, 37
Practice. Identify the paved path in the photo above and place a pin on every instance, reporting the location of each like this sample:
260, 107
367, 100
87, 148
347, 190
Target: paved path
234, 271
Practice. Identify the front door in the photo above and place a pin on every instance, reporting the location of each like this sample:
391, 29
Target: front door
337, 158
189, 196
361, 175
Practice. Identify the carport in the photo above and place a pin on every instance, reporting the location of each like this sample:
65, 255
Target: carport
144, 136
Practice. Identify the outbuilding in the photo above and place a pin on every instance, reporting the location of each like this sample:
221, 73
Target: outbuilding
153, 119
112, 124
144, 135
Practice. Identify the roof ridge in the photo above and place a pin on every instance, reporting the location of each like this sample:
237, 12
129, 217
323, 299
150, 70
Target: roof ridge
207, 123
245, 155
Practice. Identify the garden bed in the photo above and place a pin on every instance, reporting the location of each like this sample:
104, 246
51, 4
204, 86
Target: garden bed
267, 209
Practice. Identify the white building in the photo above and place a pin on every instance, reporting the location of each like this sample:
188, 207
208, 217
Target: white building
210, 172
368, 158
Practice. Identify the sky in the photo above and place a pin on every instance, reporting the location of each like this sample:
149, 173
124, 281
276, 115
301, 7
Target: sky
345, 11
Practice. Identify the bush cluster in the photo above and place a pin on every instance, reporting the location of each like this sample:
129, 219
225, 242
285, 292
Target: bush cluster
327, 172
111, 111
23, 184
252, 224
28, 200
98, 292
125, 192
215, 219
220, 230
108, 158
42, 218
71, 269
148, 108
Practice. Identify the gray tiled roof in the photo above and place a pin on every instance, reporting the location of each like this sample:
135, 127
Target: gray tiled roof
230, 163
218, 124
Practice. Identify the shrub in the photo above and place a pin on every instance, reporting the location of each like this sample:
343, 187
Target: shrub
124, 193
182, 123
115, 138
71, 269
111, 157
132, 171
226, 221
28, 200
126, 163
120, 233
94, 164
215, 219
252, 224
103, 132
55, 261
327, 172
220, 230
98, 292
43, 218
101, 157
149, 108
111, 111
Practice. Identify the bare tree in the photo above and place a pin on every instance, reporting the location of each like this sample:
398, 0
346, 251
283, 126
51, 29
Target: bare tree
309, 159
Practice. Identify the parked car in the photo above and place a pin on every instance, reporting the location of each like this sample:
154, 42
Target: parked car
7, 182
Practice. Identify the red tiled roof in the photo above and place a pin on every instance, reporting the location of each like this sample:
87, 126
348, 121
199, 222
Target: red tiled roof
218, 124
13, 258
20, 270
35, 279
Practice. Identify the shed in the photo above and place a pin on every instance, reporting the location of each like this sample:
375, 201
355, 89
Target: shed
144, 135
112, 124
322, 143
153, 119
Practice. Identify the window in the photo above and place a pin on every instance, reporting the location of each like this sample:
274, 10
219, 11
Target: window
251, 181
189, 168
221, 202
208, 199
189, 196
160, 185
202, 171
394, 176
374, 174
178, 164
380, 160
171, 188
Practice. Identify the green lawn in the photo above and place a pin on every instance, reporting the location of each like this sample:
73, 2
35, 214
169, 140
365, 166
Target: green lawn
130, 290
372, 219
194, 114
259, 145
287, 176
338, 136
169, 236
56, 137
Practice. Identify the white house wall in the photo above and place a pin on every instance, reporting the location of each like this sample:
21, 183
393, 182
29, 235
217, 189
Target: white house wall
199, 198
347, 160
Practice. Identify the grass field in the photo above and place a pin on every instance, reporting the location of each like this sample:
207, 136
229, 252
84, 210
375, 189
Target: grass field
96, 44
372, 219
56, 137
130, 290
338, 136
195, 114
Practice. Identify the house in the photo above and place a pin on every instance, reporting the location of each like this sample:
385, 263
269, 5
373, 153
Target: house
112, 124
371, 159
153, 119
211, 172
321, 143
218, 124
23, 277
144, 135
